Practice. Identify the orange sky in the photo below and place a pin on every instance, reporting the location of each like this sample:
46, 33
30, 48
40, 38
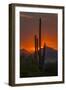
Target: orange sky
29, 26
30, 46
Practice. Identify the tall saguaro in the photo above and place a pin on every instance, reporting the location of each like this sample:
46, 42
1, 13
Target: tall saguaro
36, 48
40, 60
39, 56
40, 34
36, 44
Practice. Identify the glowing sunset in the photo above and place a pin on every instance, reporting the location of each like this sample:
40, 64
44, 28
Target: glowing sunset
30, 25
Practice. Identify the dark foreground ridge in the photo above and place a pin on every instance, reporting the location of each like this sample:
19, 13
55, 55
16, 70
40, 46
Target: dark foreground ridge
29, 66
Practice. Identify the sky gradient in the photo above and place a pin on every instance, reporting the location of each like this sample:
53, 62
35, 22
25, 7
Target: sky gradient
29, 26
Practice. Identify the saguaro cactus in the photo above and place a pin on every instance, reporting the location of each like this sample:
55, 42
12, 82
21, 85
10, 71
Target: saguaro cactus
39, 53
40, 58
36, 48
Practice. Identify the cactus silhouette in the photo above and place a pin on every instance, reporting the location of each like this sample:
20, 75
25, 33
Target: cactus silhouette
38, 53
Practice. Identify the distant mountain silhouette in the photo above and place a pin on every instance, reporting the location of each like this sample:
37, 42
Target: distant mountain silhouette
28, 67
49, 50
24, 52
50, 53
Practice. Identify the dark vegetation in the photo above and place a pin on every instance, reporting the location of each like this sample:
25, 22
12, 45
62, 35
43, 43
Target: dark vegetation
29, 64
